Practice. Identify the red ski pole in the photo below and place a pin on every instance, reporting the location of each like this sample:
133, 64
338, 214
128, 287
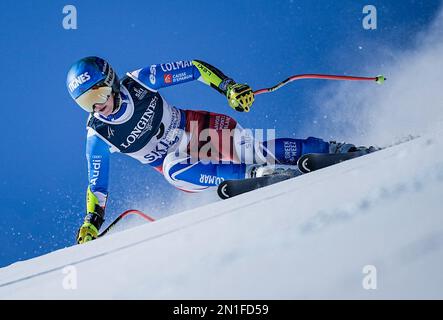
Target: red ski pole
379, 79
124, 214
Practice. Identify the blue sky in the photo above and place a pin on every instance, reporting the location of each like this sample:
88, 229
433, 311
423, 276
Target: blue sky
43, 167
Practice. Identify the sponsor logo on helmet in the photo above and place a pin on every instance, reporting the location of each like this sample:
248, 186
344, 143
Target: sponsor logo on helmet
143, 125
166, 67
84, 77
167, 78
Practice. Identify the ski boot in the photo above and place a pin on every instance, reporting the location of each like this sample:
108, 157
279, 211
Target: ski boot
341, 147
257, 170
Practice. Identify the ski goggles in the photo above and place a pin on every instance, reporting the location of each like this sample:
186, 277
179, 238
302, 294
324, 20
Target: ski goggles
97, 94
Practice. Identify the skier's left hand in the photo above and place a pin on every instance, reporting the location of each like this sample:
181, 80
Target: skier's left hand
240, 97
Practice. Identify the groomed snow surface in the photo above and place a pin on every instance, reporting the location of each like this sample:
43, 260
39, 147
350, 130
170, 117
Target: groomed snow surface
310, 237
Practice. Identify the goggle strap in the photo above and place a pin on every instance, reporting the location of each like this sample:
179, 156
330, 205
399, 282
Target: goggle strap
110, 75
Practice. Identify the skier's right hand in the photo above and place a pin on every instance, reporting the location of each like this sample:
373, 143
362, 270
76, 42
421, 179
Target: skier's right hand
93, 220
87, 232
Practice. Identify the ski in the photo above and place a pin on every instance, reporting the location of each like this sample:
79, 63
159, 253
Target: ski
231, 188
307, 163
314, 161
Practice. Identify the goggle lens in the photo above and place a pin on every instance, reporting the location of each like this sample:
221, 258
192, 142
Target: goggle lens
95, 95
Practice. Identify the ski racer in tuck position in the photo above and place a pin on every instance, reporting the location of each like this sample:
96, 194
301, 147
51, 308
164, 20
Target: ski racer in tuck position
194, 150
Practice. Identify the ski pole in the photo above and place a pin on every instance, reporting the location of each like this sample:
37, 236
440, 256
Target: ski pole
124, 214
378, 79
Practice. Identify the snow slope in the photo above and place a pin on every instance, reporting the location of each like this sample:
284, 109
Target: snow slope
309, 237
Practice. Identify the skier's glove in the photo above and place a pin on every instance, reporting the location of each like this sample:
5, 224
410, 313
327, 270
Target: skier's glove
89, 230
240, 96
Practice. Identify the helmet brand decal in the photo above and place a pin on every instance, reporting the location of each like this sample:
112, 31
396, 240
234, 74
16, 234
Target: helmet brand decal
84, 77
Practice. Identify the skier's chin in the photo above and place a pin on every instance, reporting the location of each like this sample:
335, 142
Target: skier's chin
107, 110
